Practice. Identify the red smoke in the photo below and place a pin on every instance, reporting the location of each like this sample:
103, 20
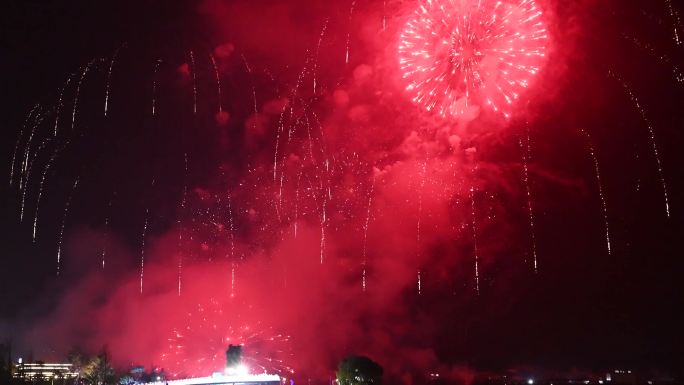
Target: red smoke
342, 208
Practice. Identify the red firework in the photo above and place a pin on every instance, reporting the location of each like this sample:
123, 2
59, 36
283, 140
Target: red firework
460, 55
198, 348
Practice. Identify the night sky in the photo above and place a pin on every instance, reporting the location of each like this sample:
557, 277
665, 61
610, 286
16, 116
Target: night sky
322, 207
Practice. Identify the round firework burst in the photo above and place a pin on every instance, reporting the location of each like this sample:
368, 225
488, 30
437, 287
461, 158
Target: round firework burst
198, 347
459, 55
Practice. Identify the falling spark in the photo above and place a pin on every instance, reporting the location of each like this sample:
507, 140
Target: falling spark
40, 194
474, 225
61, 230
365, 233
231, 226
23, 177
109, 80
60, 104
420, 211
324, 222
420, 283
351, 13
675, 22
526, 155
456, 55
318, 49
78, 93
154, 86
654, 144
194, 82
16, 146
142, 250
384, 15
28, 165
180, 224
106, 234
218, 81
604, 205
676, 72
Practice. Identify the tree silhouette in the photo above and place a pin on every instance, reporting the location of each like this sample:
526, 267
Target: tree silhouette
359, 370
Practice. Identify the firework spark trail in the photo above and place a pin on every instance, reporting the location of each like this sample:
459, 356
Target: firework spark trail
384, 15
351, 14
420, 214
40, 193
194, 82
218, 81
318, 49
365, 235
675, 22
296, 218
142, 249
18, 142
652, 137
456, 55
28, 165
180, 224
281, 127
676, 72
37, 119
60, 104
324, 223
231, 226
526, 156
419, 280
475, 249
251, 80
154, 86
105, 243
604, 204
109, 80
61, 230
86, 69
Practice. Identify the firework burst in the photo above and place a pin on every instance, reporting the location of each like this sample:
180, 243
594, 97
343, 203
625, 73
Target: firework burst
459, 55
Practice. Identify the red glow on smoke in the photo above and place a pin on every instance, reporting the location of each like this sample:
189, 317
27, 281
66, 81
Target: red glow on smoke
456, 56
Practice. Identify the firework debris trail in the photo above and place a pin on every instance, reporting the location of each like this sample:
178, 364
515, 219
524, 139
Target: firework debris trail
318, 49
40, 192
29, 161
16, 149
142, 249
218, 82
365, 236
154, 86
351, 14
661, 57
652, 138
676, 22
420, 216
105, 242
77, 94
18, 142
109, 79
194, 82
597, 170
61, 230
526, 149
37, 120
473, 214
180, 222
60, 104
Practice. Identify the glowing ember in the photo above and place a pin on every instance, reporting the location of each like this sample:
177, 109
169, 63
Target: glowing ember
459, 55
